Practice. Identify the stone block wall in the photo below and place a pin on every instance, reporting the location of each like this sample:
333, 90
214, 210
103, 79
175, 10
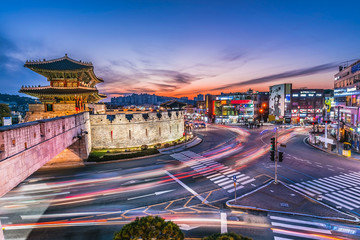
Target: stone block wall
132, 130
24, 148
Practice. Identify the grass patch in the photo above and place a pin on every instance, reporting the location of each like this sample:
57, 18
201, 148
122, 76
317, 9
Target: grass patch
104, 155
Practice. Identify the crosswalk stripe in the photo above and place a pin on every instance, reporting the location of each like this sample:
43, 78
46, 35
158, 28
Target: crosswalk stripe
342, 200
197, 168
213, 179
356, 191
225, 168
344, 180
213, 165
295, 234
350, 178
248, 181
297, 221
307, 188
227, 172
320, 187
242, 179
226, 182
353, 192
337, 203
237, 188
355, 173
208, 172
313, 187
221, 180
238, 175
341, 180
333, 181
297, 227
214, 175
282, 238
228, 186
325, 186
302, 190
329, 184
342, 195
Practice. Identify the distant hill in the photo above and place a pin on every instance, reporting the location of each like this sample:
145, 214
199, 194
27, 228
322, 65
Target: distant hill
8, 98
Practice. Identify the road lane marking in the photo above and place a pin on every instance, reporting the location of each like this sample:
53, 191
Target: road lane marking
186, 187
223, 222
151, 194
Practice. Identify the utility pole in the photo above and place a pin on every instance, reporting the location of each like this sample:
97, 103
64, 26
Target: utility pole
276, 154
338, 130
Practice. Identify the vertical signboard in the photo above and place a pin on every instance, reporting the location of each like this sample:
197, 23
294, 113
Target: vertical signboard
6, 121
277, 100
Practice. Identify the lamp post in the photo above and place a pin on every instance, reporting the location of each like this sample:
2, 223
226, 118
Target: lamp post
261, 114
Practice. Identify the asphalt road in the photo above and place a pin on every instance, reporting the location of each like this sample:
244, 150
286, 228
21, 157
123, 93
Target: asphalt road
189, 188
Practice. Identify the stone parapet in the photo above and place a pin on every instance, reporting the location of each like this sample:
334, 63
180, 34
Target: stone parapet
132, 130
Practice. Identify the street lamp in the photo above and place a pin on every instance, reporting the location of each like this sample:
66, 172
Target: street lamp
261, 114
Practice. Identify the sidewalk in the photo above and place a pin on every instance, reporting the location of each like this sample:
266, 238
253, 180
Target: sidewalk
279, 198
338, 152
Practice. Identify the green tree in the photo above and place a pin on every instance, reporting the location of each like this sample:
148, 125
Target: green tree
226, 236
148, 228
4, 110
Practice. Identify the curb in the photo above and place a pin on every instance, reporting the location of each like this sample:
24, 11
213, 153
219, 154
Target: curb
356, 220
174, 148
137, 158
305, 140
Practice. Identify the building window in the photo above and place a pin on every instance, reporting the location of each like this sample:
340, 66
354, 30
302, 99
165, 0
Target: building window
170, 129
13, 142
146, 132
129, 134
159, 131
25, 145
34, 135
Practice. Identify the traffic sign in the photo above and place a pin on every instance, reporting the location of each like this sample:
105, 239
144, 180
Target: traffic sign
234, 178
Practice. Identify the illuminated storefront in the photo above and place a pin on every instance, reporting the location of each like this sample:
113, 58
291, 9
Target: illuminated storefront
240, 107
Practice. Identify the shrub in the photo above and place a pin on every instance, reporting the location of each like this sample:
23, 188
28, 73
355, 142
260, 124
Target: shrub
226, 236
157, 146
144, 147
148, 228
166, 145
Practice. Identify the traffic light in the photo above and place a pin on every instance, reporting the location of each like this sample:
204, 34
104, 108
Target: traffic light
272, 155
281, 156
272, 144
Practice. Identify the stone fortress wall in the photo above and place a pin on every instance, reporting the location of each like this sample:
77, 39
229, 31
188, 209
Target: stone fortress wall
132, 130
26, 147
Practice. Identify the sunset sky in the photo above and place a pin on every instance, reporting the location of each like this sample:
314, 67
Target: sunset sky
179, 47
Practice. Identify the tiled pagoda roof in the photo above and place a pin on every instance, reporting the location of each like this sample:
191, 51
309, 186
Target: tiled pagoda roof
60, 64
48, 90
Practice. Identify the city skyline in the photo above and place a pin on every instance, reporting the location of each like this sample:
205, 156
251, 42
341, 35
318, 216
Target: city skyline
180, 48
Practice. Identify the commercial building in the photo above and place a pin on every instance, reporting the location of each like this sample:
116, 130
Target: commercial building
298, 105
237, 107
347, 103
307, 105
